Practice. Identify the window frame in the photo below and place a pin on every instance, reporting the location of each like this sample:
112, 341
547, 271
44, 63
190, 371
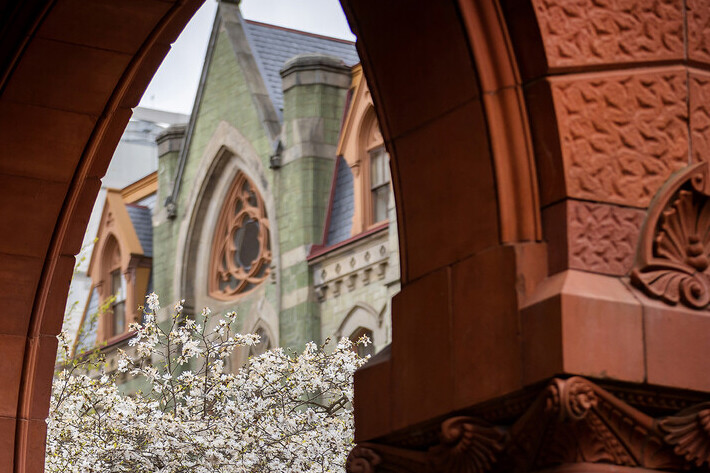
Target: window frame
248, 279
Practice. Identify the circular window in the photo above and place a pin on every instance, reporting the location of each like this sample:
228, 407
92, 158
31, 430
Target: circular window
241, 252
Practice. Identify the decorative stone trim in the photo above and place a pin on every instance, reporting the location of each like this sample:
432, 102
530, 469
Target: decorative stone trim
572, 421
348, 271
674, 249
229, 275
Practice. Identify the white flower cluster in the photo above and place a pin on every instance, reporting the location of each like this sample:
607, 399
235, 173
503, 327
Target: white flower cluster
281, 412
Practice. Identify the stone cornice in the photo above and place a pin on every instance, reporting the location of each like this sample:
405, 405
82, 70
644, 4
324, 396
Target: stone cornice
571, 421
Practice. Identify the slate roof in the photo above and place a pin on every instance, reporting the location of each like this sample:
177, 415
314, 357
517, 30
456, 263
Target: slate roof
343, 205
143, 224
272, 46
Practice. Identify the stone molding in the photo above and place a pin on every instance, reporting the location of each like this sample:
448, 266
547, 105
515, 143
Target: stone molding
171, 139
572, 421
315, 68
672, 261
346, 271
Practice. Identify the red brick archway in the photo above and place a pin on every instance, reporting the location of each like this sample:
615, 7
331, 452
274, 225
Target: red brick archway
70, 72
528, 138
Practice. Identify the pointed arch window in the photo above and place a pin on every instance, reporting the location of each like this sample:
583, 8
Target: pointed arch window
264, 343
241, 251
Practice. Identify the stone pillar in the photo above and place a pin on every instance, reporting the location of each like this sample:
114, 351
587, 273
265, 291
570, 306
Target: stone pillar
314, 88
165, 228
549, 168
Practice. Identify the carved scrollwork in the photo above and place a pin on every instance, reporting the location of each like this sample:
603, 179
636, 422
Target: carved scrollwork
362, 460
467, 446
571, 399
572, 420
689, 433
674, 250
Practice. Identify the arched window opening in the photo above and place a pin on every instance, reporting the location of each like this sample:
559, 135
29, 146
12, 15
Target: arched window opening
376, 171
361, 349
264, 344
379, 184
241, 251
118, 306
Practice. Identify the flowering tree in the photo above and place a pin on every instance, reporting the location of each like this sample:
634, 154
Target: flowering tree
280, 412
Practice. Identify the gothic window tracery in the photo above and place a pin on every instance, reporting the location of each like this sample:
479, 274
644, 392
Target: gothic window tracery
241, 251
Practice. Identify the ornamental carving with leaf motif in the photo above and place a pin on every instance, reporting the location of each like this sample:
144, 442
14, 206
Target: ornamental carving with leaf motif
572, 420
674, 250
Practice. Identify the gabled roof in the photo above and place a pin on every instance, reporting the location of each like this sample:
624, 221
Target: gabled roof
117, 219
273, 45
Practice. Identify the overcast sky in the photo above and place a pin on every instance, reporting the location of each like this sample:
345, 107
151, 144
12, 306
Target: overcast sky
174, 85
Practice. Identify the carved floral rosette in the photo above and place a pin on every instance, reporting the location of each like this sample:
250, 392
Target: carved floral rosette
673, 258
571, 421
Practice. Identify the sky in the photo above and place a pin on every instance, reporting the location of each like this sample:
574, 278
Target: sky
174, 86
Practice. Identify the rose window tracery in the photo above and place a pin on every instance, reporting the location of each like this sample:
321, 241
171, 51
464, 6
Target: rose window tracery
241, 252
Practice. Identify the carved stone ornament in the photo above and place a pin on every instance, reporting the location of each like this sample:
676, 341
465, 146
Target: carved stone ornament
689, 433
674, 249
466, 445
571, 421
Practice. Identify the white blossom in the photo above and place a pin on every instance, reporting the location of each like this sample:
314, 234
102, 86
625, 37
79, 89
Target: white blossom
281, 412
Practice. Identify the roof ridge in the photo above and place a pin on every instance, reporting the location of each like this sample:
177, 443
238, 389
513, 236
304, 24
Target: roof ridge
307, 33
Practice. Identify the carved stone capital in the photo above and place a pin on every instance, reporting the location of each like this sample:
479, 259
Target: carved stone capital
466, 445
572, 421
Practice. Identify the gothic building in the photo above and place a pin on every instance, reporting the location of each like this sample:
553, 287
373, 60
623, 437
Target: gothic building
274, 200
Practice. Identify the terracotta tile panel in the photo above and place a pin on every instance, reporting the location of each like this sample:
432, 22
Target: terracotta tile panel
621, 134
12, 352
7, 443
433, 48
677, 346
421, 350
105, 24
19, 276
589, 32
486, 340
602, 237
31, 439
41, 354
453, 174
699, 104
698, 18
40, 142
28, 210
53, 74
591, 236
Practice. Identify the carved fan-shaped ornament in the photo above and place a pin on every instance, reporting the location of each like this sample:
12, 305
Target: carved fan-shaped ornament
241, 252
674, 250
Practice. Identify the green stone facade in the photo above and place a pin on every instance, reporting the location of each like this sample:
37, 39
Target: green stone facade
289, 153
